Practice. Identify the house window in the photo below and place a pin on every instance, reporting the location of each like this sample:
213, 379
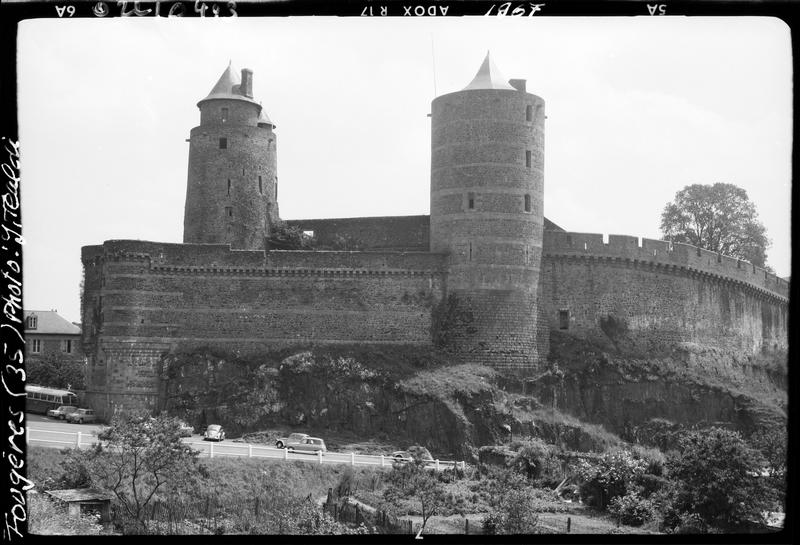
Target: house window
528, 158
260, 186
528, 113
563, 319
229, 211
229, 187
36, 346
225, 114
223, 143
527, 203
471, 201
66, 346
31, 321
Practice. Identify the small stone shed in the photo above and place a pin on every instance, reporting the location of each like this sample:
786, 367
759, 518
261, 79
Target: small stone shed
86, 498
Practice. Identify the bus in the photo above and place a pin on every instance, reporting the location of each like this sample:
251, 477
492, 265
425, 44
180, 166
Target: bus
40, 399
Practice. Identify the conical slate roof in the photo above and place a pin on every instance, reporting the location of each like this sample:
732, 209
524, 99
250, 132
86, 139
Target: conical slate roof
227, 86
488, 77
263, 119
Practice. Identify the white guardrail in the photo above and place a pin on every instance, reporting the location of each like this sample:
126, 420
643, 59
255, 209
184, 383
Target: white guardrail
86, 439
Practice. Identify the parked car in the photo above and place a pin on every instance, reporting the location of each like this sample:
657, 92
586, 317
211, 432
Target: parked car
62, 412
293, 439
412, 453
82, 416
214, 433
309, 444
185, 429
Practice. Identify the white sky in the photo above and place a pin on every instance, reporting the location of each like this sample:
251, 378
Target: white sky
637, 108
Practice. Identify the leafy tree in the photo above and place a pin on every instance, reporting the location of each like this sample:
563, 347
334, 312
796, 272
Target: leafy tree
537, 460
719, 218
413, 481
56, 372
138, 456
717, 477
632, 509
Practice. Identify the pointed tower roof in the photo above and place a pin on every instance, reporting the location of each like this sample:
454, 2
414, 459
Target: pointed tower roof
488, 77
263, 119
228, 86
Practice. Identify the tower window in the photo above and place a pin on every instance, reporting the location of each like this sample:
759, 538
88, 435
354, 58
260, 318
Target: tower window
528, 158
229, 187
260, 186
31, 321
36, 347
470, 251
225, 114
229, 211
471, 201
563, 319
529, 113
527, 203
66, 346
223, 143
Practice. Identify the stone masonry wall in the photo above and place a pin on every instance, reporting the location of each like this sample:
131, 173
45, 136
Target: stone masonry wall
409, 233
653, 297
143, 299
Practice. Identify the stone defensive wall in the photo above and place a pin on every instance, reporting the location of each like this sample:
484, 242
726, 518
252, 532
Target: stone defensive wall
143, 299
409, 233
656, 293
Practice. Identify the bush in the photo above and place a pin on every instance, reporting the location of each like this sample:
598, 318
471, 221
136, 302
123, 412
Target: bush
47, 517
717, 476
537, 461
631, 509
611, 476
515, 514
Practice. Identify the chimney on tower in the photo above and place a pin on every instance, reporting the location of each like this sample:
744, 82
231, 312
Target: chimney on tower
518, 84
246, 87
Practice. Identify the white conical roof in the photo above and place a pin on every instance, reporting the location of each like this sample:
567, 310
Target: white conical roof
488, 77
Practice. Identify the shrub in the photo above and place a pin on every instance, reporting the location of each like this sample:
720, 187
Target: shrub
631, 509
47, 517
537, 461
515, 514
718, 477
611, 476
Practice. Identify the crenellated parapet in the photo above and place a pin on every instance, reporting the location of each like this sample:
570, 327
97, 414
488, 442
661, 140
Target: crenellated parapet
678, 257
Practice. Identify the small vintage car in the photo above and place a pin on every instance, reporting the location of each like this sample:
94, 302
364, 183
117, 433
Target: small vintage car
293, 439
82, 416
309, 444
62, 412
214, 433
185, 429
412, 453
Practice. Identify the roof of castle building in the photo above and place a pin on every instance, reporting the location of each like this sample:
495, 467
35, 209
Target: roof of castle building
263, 119
228, 87
488, 77
48, 322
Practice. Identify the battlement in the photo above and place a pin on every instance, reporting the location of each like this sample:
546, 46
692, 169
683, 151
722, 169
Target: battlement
211, 258
661, 252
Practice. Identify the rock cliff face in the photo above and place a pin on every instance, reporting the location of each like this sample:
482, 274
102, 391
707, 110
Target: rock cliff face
417, 397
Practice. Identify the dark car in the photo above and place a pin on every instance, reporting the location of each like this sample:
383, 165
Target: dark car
214, 433
309, 444
81, 416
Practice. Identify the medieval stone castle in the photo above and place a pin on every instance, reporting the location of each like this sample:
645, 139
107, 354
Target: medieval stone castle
486, 276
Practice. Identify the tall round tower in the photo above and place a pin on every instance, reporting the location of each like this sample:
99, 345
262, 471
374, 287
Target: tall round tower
487, 176
231, 194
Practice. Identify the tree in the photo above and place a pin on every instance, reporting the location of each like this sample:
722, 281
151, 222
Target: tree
138, 456
515, 514
719, 218
612, 476
56, 372
413, 481
717, 476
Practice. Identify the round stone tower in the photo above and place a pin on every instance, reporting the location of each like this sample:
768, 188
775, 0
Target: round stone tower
487, 175
231, 194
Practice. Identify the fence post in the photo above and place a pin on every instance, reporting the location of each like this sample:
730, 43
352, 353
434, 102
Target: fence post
352, 458
319, 455
285, 453
211, 450
382, 461
249, 451
466, 526
437, 465
78, 440
569, 523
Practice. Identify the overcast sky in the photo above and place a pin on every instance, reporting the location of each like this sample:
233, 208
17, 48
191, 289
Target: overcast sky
637, 108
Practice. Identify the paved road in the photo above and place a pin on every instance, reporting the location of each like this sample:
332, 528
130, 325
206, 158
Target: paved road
52, 433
